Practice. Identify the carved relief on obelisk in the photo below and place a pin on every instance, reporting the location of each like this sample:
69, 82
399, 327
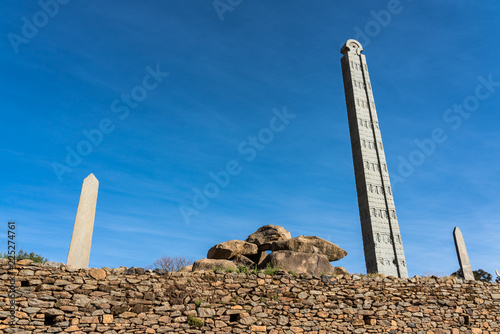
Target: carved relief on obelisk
79, 249
382, 242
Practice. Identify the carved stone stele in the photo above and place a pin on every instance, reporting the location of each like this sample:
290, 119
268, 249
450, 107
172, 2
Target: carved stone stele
382, 242
79, 249
463, 257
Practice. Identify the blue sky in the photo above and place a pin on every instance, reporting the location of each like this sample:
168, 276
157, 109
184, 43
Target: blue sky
171, 92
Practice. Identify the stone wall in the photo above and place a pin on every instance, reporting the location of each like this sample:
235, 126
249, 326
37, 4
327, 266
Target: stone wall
53, 299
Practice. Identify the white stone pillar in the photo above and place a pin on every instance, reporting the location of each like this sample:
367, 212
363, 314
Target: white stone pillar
463, 257
79, 250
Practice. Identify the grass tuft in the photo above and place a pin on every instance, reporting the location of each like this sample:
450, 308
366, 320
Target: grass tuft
271, 270
195, 322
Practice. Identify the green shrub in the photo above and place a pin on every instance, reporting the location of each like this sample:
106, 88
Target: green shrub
479, 275
218, 268
195, 322
243, 269
271, 270
21, 255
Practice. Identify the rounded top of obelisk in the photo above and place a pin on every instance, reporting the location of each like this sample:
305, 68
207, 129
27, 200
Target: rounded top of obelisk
353, 46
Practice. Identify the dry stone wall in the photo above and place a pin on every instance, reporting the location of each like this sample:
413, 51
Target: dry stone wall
55, 299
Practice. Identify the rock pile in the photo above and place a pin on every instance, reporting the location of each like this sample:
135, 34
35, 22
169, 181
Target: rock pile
302, 255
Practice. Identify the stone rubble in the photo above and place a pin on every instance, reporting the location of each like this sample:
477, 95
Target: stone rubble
57, 299
302, 255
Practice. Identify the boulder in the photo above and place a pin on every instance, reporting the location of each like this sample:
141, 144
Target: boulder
315, 245
118, 271
267, 234
340, 271
242, 260
211, 264
53, 264
98, 274
186, 269
299, 263
229, 249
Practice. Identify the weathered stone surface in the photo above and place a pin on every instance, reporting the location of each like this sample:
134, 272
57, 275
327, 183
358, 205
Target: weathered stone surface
30, 310
53, 312
40, 303
205, 312
24, 262
69, 308
211, 264
267, 234
311, 244
229, 249
340, 271
61, 282
119, 309
98, 274
72, 328
146, 302
299, 263
26, 273
302, 295
107, 318
463, 257
242, 260
382, 241
128, 315
186, 269
255, 328
248, 320
79, 249
89, 320
53, 264
129, 271
4, 314
118, 271
282, 320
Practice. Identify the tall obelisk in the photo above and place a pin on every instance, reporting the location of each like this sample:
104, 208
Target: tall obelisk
382, 242
79, 249
463, 256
